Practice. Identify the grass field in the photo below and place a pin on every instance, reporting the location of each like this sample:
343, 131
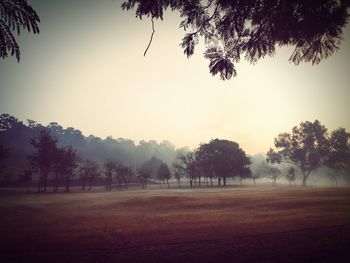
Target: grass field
242, 224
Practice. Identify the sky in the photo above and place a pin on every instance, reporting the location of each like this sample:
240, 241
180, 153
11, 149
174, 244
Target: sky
86, 70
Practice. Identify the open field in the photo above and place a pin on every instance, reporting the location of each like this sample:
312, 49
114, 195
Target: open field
242, 224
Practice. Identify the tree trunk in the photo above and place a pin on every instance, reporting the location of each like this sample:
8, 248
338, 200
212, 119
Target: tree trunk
254, 180
90, 184
305, 176
39, 181
167, 181
224, 180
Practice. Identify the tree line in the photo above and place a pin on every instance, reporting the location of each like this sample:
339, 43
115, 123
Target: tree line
307, 148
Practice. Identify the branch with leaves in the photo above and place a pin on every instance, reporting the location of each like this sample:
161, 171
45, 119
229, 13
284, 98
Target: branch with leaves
253, 29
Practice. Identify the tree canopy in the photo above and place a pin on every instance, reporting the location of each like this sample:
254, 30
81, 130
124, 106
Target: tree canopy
309, 146
223, 158
233, 30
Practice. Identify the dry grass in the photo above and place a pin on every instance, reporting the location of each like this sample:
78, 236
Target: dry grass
203, 225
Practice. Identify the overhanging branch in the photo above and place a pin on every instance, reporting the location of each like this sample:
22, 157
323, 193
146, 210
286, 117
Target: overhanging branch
150, 41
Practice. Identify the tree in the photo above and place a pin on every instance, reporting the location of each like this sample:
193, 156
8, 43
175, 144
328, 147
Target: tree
164, 173
8, 122
4, 153
149, 169
291, 176
123, 174
273, 173
177, 175
44, 156
26, 178
15, 15
69, 162
186, 164
306, 147
109, 169
88, 171
58, 168
338, 157
225, 159
245, 173
252, 29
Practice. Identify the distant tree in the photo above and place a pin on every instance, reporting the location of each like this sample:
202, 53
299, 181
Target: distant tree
123, 174
245, 173
4, 153
43, 157
253, 29
338, 157
69, 161
186, 164
291, 176
148, 170
31, 124
164, 173
225, 158
7, 121
15, 15
144, 174
26, 178
177, 176
259, 169
273, 173
88, 172
58, 168
306, 148
109, 170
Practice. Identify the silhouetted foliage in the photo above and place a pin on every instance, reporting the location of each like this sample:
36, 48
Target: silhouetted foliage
69, 162
123, 175
15, 15
307, 147
252, 29
164, 173
43, 157
224, 159
110, 166
339, 154
15, 135
149, 170
8, 122
88, 172
187, 165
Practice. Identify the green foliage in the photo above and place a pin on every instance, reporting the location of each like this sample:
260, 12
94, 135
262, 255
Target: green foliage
252, 29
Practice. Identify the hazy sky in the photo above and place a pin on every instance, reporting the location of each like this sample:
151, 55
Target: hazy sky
86, 70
